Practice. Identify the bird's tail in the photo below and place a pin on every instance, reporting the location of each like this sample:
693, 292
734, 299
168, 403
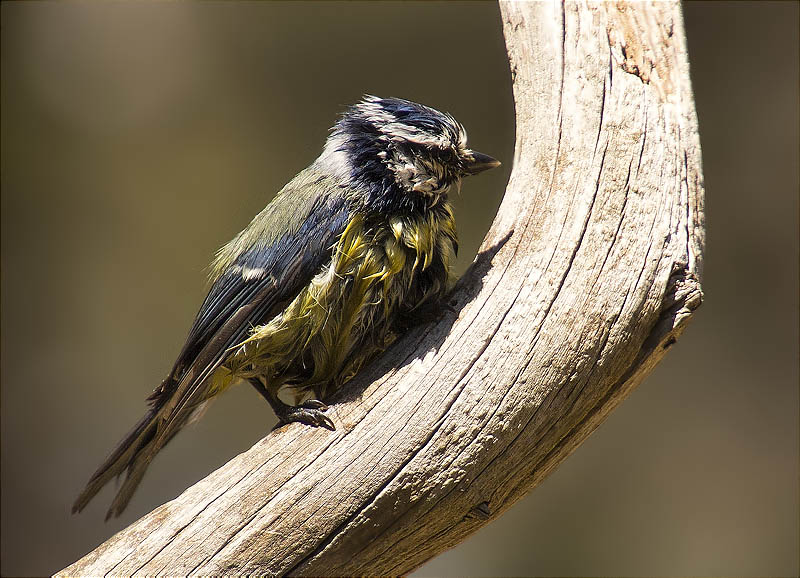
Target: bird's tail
134, 453
174, 404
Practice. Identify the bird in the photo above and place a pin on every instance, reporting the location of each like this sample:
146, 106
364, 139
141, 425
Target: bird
349, 253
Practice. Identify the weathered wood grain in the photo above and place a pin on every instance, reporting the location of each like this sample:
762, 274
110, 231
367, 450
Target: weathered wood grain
588, 274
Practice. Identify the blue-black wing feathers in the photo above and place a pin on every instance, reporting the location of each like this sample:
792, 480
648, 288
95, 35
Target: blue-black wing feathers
259, 273
257, 285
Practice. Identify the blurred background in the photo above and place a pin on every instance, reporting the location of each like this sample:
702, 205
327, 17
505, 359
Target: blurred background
139, 137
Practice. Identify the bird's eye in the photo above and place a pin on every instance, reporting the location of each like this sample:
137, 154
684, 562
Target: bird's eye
447, 156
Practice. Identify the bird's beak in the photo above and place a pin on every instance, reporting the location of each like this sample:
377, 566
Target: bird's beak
479, 162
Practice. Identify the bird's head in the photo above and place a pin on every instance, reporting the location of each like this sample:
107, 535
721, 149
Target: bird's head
393, 148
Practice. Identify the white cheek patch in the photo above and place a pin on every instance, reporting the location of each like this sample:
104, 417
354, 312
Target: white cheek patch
414, 175
404, 169
404, 173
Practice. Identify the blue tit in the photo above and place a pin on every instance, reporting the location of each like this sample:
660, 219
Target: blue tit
320, 281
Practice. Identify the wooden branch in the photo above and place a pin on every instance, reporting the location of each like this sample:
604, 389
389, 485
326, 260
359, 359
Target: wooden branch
588, 274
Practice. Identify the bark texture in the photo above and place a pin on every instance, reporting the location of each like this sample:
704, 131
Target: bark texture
588, 274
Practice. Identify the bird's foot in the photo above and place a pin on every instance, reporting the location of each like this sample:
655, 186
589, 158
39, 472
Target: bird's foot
309, 412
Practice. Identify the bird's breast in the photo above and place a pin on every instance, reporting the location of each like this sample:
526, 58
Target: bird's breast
380, 268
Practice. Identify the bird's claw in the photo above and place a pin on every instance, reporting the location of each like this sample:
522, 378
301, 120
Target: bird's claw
309, 412
313, 404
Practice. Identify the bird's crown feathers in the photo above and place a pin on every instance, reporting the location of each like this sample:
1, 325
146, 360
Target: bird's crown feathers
400, 120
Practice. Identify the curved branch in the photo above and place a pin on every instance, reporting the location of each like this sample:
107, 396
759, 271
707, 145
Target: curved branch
588, 274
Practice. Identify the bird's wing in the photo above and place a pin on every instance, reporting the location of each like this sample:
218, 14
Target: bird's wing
254, 286
256, 275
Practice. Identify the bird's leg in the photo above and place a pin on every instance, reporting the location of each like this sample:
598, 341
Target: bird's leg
309, 412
